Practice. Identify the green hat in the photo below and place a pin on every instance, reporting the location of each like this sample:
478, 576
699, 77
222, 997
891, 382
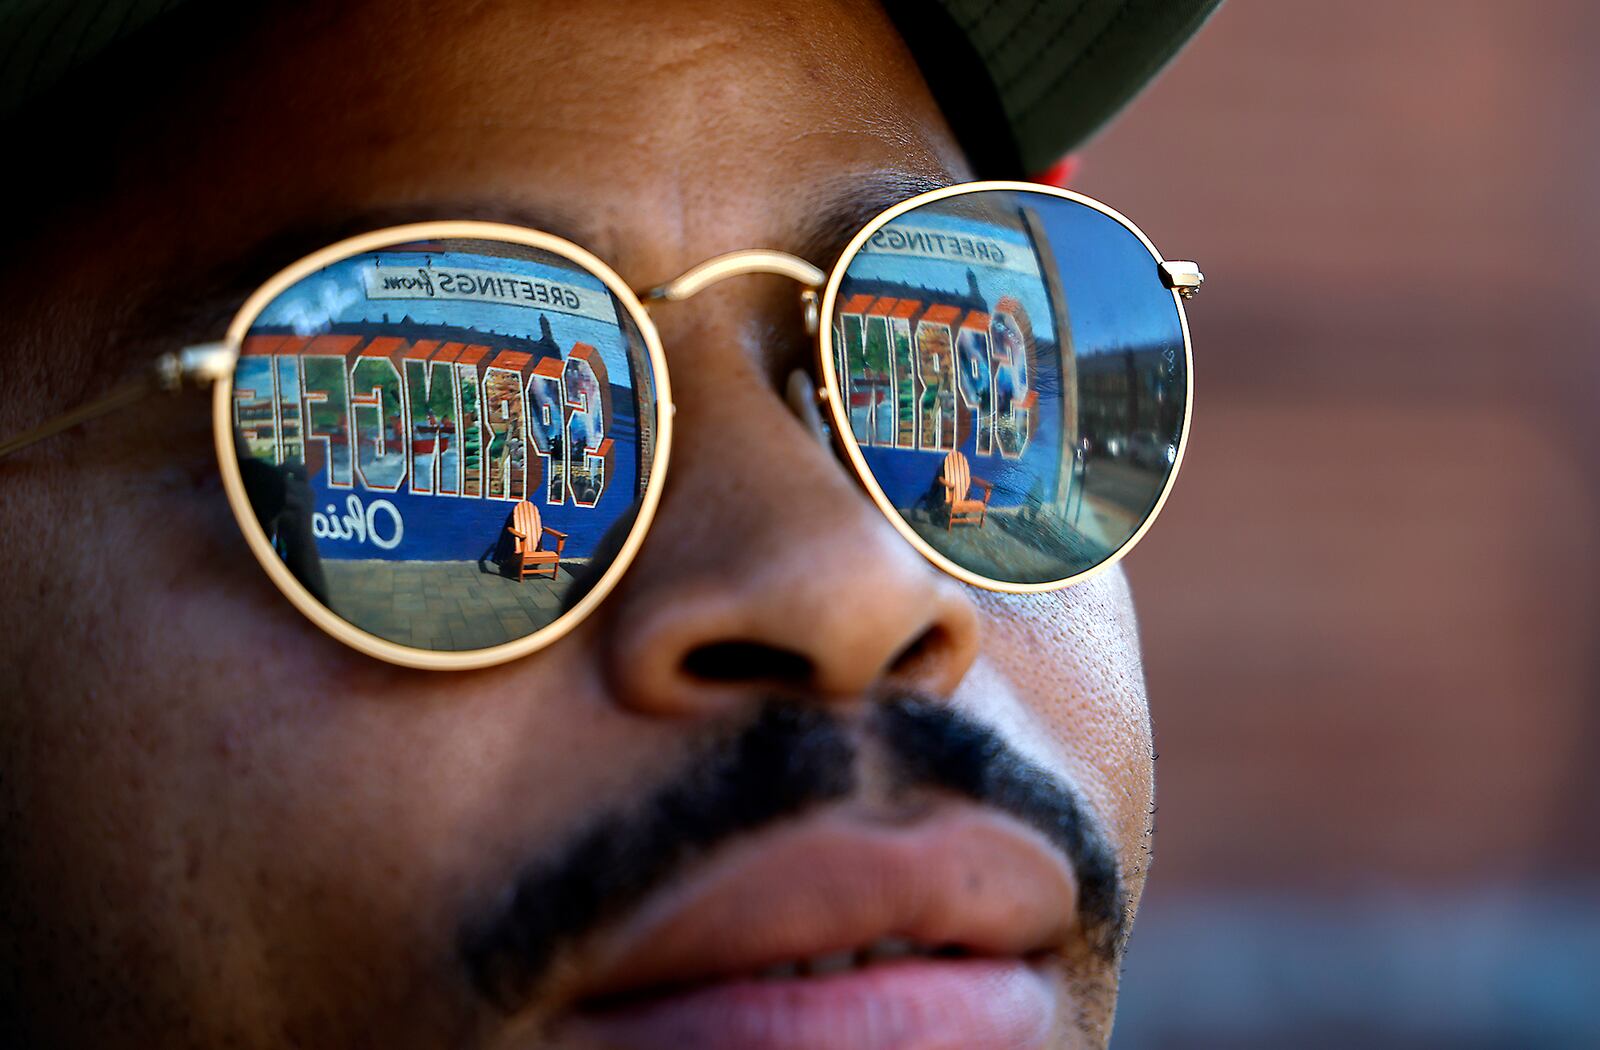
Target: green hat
1021, 81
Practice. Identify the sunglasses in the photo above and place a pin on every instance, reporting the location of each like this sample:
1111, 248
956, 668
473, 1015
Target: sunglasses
445, 442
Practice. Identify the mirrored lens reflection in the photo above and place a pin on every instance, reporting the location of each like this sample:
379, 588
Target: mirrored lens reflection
446, 442
1015, 377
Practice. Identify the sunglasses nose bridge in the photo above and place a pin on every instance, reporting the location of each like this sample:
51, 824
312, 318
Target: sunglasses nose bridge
735, 264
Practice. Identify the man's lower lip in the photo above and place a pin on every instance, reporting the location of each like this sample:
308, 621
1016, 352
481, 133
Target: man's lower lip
910, 1004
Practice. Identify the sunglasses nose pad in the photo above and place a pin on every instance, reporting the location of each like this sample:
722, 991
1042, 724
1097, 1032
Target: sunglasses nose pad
801, 394
811, 310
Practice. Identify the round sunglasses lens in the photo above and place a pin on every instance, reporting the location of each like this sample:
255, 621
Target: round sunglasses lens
446, 442
1015, 378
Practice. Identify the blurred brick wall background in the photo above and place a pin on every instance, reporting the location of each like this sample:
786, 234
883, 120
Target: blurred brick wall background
1370, 609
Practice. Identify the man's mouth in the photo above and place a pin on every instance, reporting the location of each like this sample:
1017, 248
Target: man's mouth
847, 932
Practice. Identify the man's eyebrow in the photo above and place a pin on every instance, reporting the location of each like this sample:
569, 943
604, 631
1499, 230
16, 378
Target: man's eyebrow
837, 209
215, 295
841, 209
300, 240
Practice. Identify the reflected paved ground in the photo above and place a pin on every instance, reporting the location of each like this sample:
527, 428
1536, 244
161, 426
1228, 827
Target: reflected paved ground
1121, 488
441, 604
1031, 546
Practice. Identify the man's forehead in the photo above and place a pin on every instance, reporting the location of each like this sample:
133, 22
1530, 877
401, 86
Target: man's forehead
816, 222
650, 192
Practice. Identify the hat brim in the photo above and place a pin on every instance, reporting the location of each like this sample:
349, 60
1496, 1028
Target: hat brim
1023, 82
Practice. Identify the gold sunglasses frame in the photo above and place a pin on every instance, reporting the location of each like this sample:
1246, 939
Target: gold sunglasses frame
215, 363
1181, 278
261, 545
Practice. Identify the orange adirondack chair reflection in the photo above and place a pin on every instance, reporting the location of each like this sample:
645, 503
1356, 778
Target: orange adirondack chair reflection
958, 482
529, 533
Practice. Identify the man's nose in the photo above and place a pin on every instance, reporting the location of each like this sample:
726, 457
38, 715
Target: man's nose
768, 569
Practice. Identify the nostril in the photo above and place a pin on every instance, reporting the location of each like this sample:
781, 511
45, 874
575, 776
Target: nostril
747, 662
920, 657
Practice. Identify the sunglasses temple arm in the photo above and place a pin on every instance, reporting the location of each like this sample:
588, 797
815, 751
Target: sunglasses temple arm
192, 365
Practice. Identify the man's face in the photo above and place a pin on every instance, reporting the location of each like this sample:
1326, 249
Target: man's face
784, 735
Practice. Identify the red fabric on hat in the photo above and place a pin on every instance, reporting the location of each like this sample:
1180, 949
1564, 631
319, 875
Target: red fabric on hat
1060, 173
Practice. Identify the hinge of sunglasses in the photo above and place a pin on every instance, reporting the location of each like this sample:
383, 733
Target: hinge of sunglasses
197, 365
1183, 277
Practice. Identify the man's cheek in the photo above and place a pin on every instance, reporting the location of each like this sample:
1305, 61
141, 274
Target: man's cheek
1076, 650
1070, 658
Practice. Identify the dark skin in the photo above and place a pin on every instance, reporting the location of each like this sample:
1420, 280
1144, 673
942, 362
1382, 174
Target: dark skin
225, 829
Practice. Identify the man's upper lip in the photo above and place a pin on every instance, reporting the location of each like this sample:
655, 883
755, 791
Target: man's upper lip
959, 876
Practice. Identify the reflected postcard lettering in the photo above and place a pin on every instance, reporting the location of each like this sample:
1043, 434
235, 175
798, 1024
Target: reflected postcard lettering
1014, 374
445, 442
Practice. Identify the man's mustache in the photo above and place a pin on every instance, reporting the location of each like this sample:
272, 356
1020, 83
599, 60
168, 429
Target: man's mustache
791, 758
